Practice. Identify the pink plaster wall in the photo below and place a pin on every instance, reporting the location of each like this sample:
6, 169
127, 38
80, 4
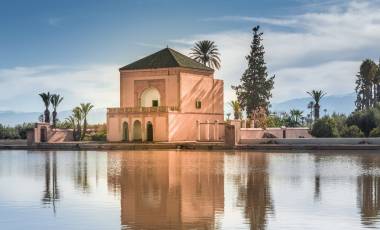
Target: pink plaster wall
257, 133
183, 127
204, 88
133, 83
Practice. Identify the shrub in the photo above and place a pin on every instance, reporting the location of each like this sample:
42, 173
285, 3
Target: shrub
365, 120
324, 127
99, 136
351, 131
375, 132
340, 121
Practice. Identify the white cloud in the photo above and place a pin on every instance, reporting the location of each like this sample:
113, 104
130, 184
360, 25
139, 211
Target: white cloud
98, 84
315, 50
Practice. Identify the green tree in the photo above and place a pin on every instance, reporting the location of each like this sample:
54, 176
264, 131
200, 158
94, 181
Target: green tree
255, 86
46, 99
351, 131
206, 52
324, 127
77, 115
367, 85
55, 100
296, 115
71, 123
236, 108
85, 108
366, 120
317, 96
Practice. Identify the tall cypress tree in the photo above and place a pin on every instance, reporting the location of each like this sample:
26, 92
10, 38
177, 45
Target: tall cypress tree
255, 86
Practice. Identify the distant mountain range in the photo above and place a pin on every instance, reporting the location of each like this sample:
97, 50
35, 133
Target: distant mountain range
12, 118
334, 103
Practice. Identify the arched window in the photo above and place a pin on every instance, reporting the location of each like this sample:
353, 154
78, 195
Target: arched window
150, 98
137, 131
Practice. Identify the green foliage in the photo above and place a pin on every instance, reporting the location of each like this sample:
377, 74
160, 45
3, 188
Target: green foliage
17, 132
99, 136
317, 96
255, 86
367, 85
325, 127
365, 120
351, 131
375, 132
46, 100
340, 121
274, 121
55, 100
236, 108
206, 52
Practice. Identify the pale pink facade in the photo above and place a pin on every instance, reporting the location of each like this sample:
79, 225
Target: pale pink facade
167, 104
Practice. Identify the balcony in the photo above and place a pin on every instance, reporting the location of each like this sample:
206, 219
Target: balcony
143, 109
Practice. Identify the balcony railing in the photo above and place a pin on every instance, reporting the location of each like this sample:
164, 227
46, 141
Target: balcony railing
142, 109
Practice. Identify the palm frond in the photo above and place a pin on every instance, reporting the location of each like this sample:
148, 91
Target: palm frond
207, 53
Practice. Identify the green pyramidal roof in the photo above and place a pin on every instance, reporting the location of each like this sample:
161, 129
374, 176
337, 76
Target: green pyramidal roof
166, 58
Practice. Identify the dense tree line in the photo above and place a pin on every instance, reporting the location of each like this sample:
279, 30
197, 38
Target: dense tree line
16, 132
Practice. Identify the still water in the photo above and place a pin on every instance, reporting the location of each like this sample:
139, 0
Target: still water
188, 190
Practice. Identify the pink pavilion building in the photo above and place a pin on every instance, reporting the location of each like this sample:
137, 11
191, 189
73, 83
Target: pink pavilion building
167, 97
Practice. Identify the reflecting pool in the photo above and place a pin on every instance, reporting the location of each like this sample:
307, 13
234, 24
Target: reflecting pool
189, 190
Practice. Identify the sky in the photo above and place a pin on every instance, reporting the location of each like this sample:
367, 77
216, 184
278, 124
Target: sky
75, 48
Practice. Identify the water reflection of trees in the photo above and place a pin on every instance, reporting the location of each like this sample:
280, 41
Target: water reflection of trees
255, 194
51, 191
156, 193
368, 189
80, 171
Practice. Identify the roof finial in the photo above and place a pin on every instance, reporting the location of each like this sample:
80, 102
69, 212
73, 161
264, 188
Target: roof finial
167, 46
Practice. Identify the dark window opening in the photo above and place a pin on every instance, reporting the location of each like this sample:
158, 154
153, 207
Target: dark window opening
198, 104
155, 103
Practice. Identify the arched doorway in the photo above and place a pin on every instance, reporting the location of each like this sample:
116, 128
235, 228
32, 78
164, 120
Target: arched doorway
137, 131
43, 134
125, 131
150, 98
149, 131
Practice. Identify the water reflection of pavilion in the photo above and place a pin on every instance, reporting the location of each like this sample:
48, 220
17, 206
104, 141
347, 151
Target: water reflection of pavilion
157, 194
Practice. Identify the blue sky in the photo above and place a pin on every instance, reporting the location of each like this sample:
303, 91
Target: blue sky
76, 47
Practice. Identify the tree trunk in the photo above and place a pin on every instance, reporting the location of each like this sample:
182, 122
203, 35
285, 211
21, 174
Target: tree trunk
236, 115
54, 118
84, 128
316, 111
78, 133
47, 116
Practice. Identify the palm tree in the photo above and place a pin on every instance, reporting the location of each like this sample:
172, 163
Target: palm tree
296, 115
71, 121
317, 95
85, 108
55, 100
77, 115
207, 53
46, 99
311, 106
235, 105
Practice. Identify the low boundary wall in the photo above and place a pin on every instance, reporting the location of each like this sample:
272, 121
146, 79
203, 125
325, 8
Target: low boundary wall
313, 141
